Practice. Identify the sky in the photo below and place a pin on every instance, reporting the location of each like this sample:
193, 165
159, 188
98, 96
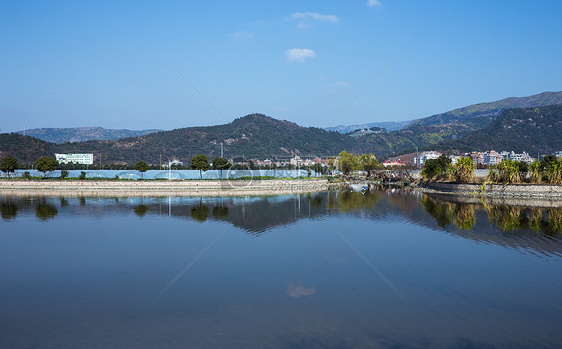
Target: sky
173, 64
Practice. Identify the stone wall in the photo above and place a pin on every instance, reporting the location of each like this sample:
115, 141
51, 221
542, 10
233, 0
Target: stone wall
164, 187
520, 190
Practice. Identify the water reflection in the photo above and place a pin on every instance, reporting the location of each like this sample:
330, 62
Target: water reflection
45, 211
495, 221
8, 209
290, 272
200, 213
509, 218
141, 210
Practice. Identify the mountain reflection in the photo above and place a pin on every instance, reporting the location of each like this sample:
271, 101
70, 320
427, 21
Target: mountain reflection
514, 223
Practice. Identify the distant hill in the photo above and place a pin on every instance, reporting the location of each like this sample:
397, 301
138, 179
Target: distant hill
535, 130
486, 112
389, 126
252, 136
82, 134
449, 126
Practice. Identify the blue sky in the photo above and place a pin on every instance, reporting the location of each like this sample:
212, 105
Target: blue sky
105, 63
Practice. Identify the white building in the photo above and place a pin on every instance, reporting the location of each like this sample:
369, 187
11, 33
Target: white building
424, 157
82, 159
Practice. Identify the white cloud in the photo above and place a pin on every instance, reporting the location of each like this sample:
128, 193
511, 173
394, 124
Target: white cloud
317, 16
299, 54
241, 35
334, 86
374, 3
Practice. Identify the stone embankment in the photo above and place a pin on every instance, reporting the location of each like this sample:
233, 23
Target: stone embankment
499, 190
164, 188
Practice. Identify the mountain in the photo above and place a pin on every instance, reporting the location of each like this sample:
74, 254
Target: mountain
486, 112
481, 113
81, 134
26, 149
389, 126
252, 136
450, 126
534, 130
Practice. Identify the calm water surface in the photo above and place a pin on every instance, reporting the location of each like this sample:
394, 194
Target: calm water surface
384, 269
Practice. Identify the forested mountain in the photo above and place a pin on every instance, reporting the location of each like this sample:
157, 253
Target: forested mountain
26, 149
252, 136
534, 130
82, 134
454, 125
485, 113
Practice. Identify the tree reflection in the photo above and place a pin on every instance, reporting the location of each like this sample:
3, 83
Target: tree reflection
140, 210
44, 211
8, 210
464, 216
220, 212
506, 217
441, 211
348, 201
200, 213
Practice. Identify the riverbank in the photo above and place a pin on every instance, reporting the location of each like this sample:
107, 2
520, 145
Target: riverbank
164, 187
549, 191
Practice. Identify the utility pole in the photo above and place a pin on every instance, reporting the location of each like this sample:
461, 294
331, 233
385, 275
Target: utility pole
100, 161
160, 162
222, 151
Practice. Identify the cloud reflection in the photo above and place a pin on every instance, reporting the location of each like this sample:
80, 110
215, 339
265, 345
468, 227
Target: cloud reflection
297, 290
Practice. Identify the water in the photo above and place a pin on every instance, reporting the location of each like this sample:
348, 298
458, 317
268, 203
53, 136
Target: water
329, 270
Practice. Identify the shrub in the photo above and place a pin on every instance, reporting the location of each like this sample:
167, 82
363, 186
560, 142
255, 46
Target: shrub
509, 171
464, 170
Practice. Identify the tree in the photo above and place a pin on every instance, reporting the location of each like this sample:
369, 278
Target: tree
201, 163
46, 164
368, 162
9, 165
348, 162
434, 167
221, 164
142, 167
317, 168
464, 170
63, 174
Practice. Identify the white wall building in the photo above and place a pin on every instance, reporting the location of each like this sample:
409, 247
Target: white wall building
82, 159
424, 157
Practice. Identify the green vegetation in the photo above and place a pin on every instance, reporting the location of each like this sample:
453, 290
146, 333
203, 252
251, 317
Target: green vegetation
9, 165
464, 170
142, 167
221, 164
63, 174
436, 168
201, 163
46, 164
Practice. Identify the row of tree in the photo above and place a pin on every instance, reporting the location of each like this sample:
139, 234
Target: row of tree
47, 164
548, 170
349, 162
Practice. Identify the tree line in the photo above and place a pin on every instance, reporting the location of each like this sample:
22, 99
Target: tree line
548, 170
